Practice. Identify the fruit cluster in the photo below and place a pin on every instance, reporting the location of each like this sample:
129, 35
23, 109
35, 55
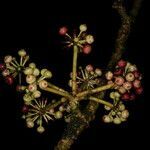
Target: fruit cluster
127, 80
87, 78
82, 40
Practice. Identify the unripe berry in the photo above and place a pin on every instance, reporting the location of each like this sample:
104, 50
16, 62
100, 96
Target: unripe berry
40, 129
36, 94
132, 68
121, 107
32, 65
130, 77
30, 124
43, 84
89, 68
127, 85
8, 59
83, 27
109, 75
28, 71
30, 79
36, 72
58, 115
22, 53
122, 90
106, 119
5, 73
117, 120
125, 114
107, 107
89, 39
98, 71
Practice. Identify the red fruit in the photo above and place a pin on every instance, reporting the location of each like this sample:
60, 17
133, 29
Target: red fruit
137, 83
139, 90
122, 63
2, 67
118, 72
136, 74
125, 96
132, 97
25, 109
9, 80
87, 49
63, 30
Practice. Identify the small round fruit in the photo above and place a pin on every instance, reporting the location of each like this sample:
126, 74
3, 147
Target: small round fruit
25, 109
2, 67
36, 72
30, 124
125, 96
106, 119
43, 84
125, 114
98, 71
89, 68
112, 95
32, 65
127, 85
107, 107
22, 53
87, 49
130, 77
61, 108
9, 80
70, 83
32, 87
117, 120
8, 59
89, 39
83, 27
5, 72
139, 90
122, 63
132, 97
51, 111
58, 115
122, 90
109, 75
136, 74
63, 31
121, 107
40, 129
118, 72
132, 68
30, 79
119, 80
28, 71
36, 94
27, 98
116, 94
137, 83
47, 74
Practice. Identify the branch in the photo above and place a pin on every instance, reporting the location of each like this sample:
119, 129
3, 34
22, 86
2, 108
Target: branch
79, 121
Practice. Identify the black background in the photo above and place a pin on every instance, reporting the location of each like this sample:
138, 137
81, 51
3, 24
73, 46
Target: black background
37, 30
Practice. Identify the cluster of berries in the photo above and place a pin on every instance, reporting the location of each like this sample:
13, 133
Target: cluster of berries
117, 114
127, 80
82, 40
11, 67
87, 78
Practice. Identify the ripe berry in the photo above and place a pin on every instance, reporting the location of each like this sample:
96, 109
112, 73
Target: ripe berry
2, 67
136, 74
9, 80
86, 49
132, 97
139, 90
122, 63
118, 72
137, 83
63, 30
25, 109
125, 96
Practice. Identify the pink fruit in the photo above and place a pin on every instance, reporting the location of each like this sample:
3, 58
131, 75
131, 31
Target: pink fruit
9, 80
118, 72
25, 109
63, 30
122, 63
89, 68
86, 49
137, 83
139, 90
2, 67
127, 85
125, 96
119, 80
